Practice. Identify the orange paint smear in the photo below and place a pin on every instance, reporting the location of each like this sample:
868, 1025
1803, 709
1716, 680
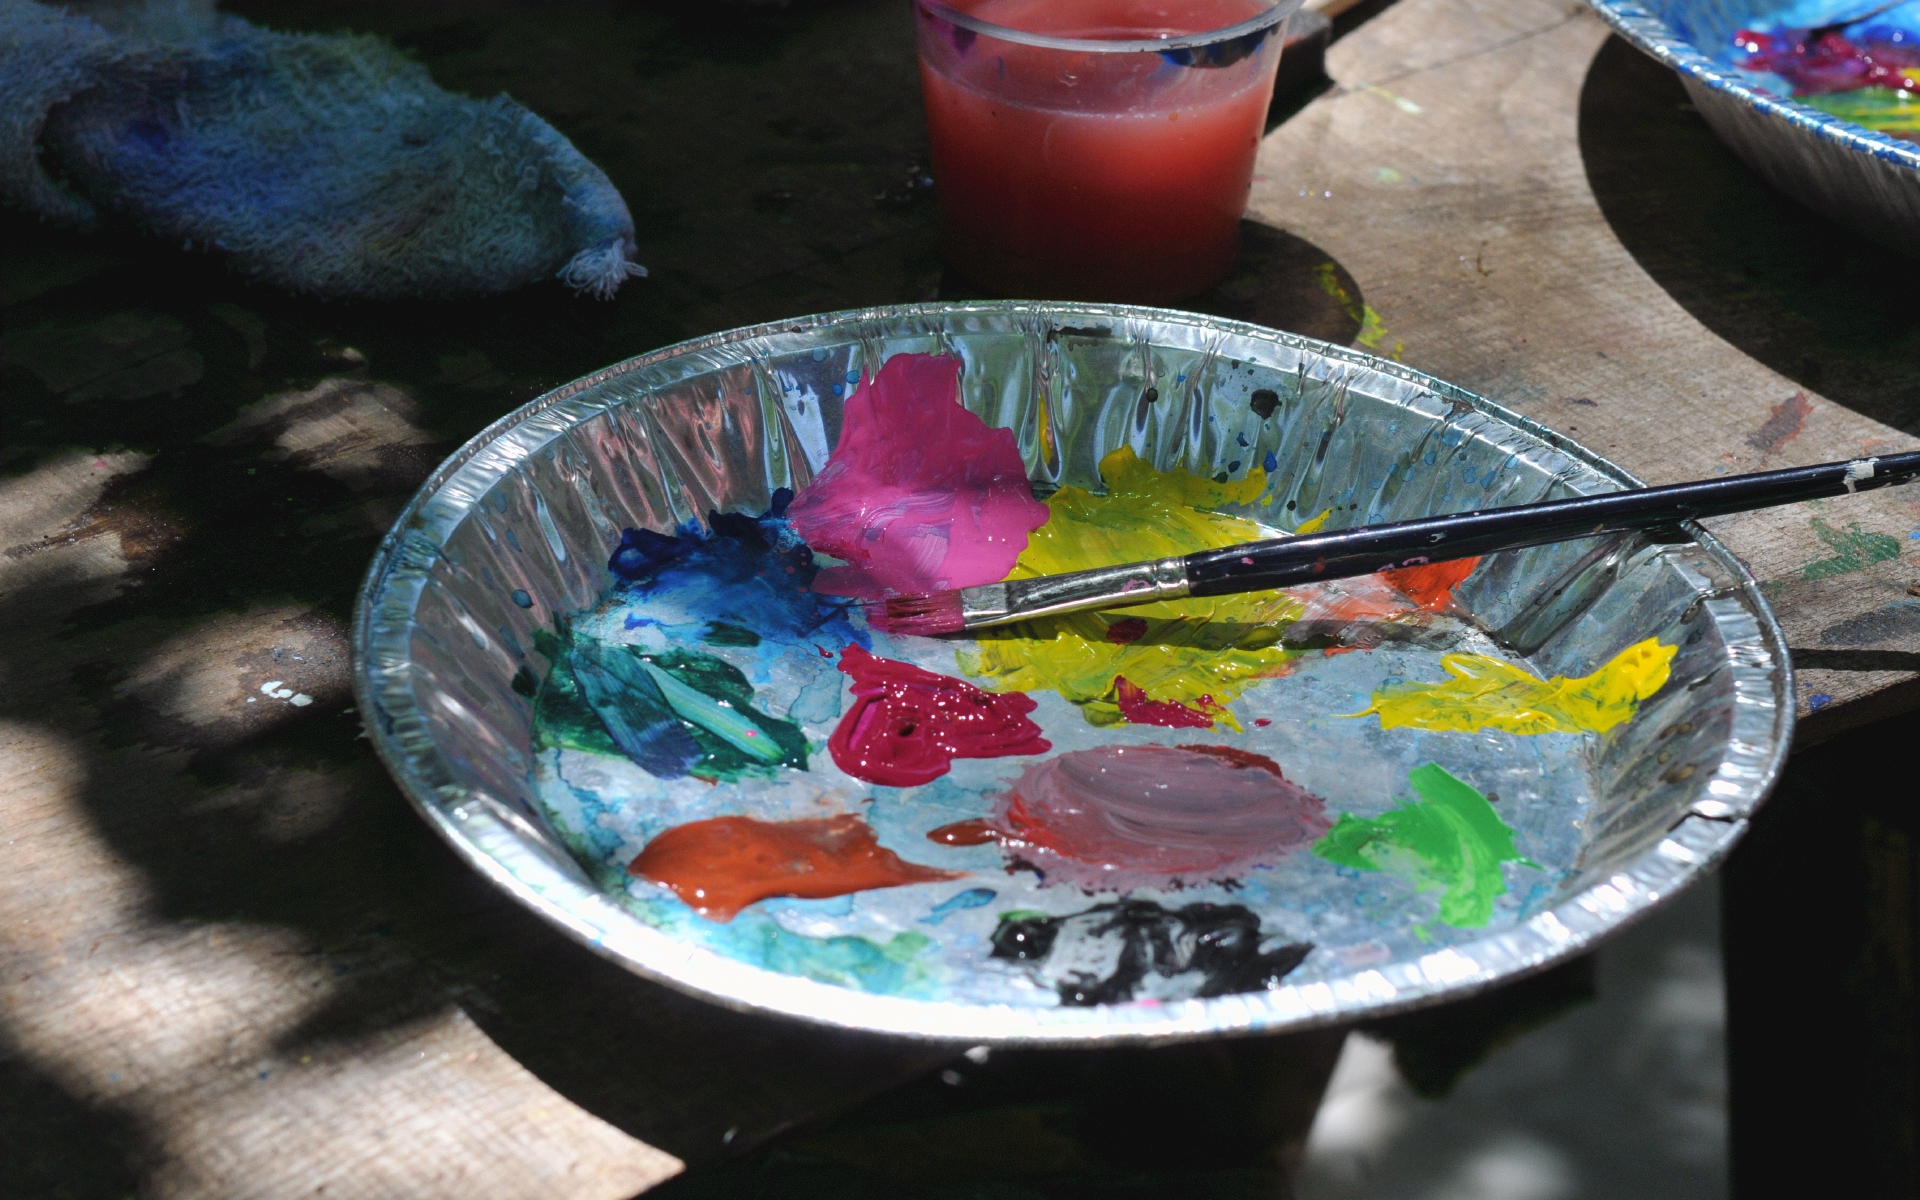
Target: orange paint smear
719, 866
1431, 586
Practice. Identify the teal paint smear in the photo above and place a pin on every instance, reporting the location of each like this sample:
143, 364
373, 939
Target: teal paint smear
1451, 840
562, 718
710, 700
715, 716
1854, 550
887, 968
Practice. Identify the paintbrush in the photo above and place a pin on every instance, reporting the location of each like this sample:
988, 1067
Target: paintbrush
1290, 561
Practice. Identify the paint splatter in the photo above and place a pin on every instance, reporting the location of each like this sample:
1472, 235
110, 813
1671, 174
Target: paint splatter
1372, 329
1782, 425
907, 725
1173, 652
1450, 840
1112, 953
1120, 817
920, 495
1854, 550
960, 902
1486, 693
678, 712
719, 866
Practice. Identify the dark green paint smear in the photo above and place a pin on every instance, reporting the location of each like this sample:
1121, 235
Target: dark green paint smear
720, 633
1450, 839
1853, 550
565, 719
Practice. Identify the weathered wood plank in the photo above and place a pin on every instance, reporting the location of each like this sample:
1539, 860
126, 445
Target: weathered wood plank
1445, 172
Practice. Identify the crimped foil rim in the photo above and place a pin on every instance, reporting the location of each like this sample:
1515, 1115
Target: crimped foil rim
523, 860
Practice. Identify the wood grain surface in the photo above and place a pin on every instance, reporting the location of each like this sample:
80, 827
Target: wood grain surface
1453, 172
233, 963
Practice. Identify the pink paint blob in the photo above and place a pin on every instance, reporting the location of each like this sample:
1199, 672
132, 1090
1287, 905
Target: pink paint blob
1120, 817
920, 495
906, 725
1139, 709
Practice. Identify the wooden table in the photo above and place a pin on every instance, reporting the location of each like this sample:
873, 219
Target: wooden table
233, 963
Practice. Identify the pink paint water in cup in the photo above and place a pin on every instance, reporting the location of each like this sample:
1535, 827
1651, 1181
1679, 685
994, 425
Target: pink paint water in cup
1096, 149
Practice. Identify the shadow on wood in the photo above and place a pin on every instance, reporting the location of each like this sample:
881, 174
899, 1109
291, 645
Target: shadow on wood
1814, 301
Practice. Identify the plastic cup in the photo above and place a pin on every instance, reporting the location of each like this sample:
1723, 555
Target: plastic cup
1096, 149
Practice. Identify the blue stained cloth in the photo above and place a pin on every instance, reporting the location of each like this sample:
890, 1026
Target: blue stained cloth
329, 165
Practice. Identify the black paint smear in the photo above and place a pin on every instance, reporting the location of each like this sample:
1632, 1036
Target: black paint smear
1219, 941
1264, 402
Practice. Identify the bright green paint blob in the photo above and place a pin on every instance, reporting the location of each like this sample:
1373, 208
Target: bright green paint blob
1451, 840
1853, 549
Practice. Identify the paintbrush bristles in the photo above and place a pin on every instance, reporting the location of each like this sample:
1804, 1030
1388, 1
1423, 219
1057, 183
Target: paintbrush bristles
924, 616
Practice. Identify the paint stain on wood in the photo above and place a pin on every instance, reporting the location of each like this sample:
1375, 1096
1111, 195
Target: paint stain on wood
1854, 549
1782, 425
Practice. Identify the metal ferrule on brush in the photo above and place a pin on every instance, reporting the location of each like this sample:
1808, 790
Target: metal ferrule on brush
1078, 591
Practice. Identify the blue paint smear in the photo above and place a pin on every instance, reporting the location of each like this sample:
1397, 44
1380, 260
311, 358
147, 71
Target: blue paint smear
745, 572
1272, 464
742, 583
971, 898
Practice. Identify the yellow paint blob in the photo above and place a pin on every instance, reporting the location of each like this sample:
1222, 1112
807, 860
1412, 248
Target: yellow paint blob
1485, 693
1198, 653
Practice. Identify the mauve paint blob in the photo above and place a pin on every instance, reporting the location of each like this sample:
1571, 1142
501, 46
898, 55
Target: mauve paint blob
920, 495
907, 725
719, 866
1120, 817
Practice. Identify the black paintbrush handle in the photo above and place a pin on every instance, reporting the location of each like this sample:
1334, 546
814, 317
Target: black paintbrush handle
1289, 562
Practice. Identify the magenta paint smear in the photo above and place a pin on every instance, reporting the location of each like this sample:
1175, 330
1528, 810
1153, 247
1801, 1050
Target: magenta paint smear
907, 725
920, 495
1138, 709
1120, 817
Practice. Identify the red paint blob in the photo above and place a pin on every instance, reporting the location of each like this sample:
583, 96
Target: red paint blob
1431, 587
1233, 756
719, 866
977, 832
1127, 630
1119, 817
1138, 709
907, 725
